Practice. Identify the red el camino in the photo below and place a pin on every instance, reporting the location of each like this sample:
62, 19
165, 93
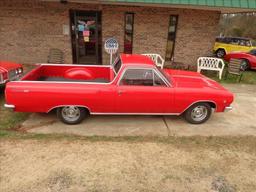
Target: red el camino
249, 58
9, 71
132, 86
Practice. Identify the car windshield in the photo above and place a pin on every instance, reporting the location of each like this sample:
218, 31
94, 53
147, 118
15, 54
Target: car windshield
164, 74
253, 52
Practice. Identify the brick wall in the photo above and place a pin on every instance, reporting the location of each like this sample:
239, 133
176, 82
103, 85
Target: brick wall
30, 28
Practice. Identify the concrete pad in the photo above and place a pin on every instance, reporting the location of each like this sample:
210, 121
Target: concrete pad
240, 121
99, 125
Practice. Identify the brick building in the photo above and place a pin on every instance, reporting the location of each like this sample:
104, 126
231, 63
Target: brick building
176, 29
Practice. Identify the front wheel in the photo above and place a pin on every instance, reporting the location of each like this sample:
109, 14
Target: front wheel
71, 114
198, 113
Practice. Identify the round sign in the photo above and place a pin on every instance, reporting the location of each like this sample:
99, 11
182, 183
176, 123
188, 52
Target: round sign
111, 46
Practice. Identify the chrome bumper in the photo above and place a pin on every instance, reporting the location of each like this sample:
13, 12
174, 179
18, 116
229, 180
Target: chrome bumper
229, 108
9, 106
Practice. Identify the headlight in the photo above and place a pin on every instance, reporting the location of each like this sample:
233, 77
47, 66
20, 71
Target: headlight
16, 71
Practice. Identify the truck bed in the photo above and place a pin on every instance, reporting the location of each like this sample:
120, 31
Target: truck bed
70, 73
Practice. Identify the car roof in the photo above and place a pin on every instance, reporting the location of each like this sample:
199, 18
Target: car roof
136, 59
9, 65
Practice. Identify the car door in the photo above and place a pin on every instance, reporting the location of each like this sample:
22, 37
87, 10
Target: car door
142, 90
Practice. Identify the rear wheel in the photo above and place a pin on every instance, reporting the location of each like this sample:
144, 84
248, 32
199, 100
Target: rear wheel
72, 114
245, 65
220, 53
198, 113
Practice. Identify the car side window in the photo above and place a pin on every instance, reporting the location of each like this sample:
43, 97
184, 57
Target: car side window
138, 77
227, 40
141, 77
235, 41
242, 42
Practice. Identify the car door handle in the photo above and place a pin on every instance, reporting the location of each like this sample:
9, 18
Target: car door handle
20, 90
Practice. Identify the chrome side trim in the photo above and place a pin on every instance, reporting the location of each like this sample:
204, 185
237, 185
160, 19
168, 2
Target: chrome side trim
9, 106
72, 65
135, 113
63, 82
200, 101
229, 108
57, 106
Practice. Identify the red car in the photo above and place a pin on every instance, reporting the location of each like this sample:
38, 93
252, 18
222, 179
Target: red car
9, 71
249, 58
133, 85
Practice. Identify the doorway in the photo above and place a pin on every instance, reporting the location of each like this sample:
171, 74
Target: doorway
86, 37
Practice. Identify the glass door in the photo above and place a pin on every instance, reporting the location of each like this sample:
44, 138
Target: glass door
86, 37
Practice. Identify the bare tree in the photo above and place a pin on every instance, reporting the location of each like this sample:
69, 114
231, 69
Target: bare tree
239, 25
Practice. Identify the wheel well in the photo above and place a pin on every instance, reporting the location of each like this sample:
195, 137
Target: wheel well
211, 103
247, 61
87, 110
220, 49
56, 107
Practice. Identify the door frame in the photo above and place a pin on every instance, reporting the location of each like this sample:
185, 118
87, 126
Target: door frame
75, 50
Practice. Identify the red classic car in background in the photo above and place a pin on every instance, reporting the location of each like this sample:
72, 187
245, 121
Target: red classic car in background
249, 58
133, 85
9, 71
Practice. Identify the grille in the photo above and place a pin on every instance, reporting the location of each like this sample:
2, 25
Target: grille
12, 74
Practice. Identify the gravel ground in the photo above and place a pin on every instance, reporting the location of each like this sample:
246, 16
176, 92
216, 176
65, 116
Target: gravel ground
81, 166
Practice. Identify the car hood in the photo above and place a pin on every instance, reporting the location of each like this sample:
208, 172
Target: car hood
189, 79
7, 65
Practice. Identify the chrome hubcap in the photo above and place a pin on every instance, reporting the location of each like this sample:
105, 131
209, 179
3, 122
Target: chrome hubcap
220, 53
199, 113
70, 113
244, 66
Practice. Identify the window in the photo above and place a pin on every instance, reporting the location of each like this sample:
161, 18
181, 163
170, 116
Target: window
171, 37
141, 77
234, 41
128, 33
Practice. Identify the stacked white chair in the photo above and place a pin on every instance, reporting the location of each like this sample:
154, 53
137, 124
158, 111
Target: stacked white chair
158, 60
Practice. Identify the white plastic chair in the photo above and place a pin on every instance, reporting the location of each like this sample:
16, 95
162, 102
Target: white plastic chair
158, 60
210, 63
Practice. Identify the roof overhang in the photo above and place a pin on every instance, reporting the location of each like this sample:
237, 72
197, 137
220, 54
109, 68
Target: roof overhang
222, 7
